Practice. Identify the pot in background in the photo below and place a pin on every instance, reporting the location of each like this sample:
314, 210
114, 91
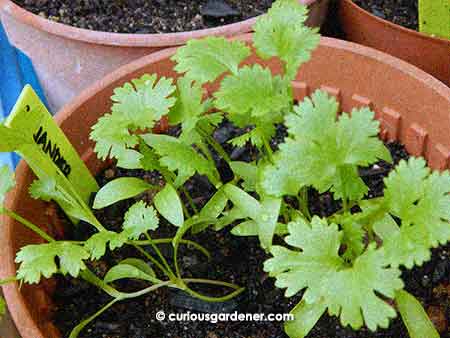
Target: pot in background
69, 59
426, 52
413, 107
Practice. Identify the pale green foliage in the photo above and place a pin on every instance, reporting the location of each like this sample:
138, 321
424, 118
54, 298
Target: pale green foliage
139, 219
169, 205
189, 111
204, 60
253, 96
130, 268
181, 158
119, 189
348, 291
414, 316
97, 243
113, 139
253, 92
144, 101
263, 215
137, 105
421, 200
282, 33
7, 182
39, 260
325, 160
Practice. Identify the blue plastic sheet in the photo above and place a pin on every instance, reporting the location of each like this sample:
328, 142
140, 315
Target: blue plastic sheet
16, 70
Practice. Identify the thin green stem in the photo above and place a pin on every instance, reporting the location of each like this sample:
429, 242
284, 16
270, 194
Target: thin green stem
211, 282
214, 144
268, 150
161, 257
92, 278
304, 202
146, 290
190, 200
154, 261
345, 204
212, 299
76, 331
28, 224
197, 246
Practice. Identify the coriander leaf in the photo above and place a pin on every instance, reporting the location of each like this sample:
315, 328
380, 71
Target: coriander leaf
245, 202
39, 260
46, 189
139, 219
253, 91
97, 243
204, 60
305, 318
7, 182
264, 214
140, 264
137, 105
263, 127
318, 268
113, 139
149, 160
353, 292
248, 172
282, 33
228, 218
177, 156
123, 271
353, 235
169, 205
421, 201
328, 160
120, 189
188, 106
144, 101
250, 228
212, 209
414, 316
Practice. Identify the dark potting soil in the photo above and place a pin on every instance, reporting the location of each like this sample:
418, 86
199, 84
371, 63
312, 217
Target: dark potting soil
234, 259
146, 16
400, 12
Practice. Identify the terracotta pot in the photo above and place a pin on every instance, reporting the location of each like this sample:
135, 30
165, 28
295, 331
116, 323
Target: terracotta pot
412, 106
426, 52
69, 59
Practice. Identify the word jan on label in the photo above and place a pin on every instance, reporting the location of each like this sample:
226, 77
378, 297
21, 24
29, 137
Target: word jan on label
53, 150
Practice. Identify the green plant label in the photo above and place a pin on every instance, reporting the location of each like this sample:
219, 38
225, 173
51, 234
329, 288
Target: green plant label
48, 152
434, 17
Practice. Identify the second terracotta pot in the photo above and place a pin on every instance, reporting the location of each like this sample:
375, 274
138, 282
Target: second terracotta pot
426, 52
68, 59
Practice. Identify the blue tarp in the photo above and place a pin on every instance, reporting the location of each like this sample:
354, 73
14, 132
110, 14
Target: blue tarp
16, 70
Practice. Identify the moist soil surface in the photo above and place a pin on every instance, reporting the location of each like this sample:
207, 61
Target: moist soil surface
400, 12
237, 260
146, 16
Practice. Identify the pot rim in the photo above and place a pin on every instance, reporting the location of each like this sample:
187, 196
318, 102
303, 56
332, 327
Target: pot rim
123, 39
417, 34
15, 300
